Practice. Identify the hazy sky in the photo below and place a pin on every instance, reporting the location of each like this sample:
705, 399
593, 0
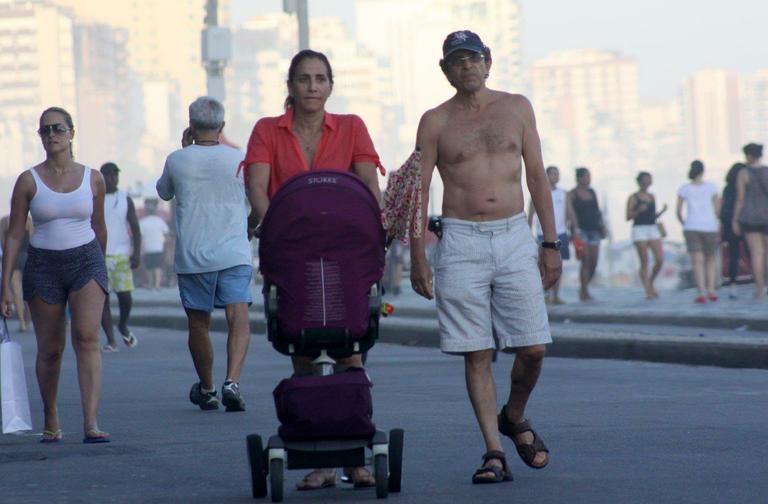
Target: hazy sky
669, 38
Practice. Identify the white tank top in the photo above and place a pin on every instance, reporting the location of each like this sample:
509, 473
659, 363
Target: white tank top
116, 218
559, 202
62, 220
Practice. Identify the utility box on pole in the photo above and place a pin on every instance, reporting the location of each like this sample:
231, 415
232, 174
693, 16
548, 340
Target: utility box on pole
216, 44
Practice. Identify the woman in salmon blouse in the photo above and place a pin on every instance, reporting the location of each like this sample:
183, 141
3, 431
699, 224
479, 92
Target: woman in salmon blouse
307, 137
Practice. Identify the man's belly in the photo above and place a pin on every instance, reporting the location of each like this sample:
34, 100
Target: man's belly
482, 204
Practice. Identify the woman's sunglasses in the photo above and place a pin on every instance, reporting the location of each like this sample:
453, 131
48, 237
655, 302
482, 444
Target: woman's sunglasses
53, 129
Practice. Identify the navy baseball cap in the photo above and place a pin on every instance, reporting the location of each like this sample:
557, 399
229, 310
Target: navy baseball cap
462, 39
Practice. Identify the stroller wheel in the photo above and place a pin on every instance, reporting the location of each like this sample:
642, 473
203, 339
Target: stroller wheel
396, 459
276, 479
256, 461
380, 470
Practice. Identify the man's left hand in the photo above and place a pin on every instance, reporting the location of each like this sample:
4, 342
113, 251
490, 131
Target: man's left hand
135, 261
550, 266
187, 138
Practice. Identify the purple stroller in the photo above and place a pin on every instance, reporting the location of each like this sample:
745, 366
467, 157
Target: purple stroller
321, 254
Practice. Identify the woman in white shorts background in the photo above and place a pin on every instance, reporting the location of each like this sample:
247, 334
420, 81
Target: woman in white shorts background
646, 234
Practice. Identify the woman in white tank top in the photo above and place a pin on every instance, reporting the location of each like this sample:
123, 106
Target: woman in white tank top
65, 265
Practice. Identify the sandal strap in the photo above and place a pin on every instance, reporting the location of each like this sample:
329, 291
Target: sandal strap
495, 470
519, 428
496, 455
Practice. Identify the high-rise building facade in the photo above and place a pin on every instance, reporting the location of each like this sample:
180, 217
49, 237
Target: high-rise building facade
36, 71
587, 105
710, 108
754, 106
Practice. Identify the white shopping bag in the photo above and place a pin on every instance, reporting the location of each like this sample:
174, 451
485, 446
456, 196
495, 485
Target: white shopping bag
13, 385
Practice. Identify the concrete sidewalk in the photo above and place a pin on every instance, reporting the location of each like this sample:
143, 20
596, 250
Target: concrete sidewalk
619, 324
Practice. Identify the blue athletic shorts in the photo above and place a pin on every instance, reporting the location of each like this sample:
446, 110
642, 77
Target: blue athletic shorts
216, 289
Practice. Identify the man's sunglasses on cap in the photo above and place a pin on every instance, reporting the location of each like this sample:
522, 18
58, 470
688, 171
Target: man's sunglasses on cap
53, 129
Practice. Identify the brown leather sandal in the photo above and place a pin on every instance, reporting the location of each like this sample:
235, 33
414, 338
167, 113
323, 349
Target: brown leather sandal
527, 452
499, 475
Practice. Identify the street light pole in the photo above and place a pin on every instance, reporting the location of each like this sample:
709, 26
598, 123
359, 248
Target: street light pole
301, 9
216, 51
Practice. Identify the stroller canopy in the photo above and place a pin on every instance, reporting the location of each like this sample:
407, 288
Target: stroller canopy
322, 245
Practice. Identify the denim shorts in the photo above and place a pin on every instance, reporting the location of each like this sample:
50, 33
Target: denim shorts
53, 274
591, 236
216, 289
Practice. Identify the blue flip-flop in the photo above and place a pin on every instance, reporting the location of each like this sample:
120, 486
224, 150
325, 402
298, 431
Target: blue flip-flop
100, 437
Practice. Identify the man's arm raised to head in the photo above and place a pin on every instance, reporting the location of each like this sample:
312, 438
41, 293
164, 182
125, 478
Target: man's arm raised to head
426, 142
550, 263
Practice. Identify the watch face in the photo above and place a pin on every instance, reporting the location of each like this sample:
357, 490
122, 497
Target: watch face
552, 245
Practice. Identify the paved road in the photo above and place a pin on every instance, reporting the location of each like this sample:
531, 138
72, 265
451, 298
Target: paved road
620, 432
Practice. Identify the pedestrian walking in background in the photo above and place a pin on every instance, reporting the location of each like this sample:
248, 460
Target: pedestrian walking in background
701, 228
394, 270
22, 309
646, 233
563, 219
490, 274
307, 137
589, 228
154, 230
213, 256
123, 255
750, 213
728, 236
65, 267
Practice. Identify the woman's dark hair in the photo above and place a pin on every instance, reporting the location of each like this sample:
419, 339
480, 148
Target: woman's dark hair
67, 119
640, 176
753, 150
730, 177
580, 172
298, 58
697, 168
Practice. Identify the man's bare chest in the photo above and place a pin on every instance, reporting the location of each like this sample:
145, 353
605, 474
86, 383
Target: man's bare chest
462, 139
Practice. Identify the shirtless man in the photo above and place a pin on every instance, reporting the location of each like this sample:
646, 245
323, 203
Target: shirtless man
490, 274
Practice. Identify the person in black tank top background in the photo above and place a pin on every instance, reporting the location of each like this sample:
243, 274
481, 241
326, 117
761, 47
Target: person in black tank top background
750, 213
641, 210
588, 228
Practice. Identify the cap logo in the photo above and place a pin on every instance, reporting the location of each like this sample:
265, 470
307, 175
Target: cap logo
459, 37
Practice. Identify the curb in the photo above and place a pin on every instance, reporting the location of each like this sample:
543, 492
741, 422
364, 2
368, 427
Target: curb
424, 333
716, 321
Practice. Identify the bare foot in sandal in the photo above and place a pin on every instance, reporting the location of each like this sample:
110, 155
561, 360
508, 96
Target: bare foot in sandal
493, 470
530, 446
360, 477
318, 479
